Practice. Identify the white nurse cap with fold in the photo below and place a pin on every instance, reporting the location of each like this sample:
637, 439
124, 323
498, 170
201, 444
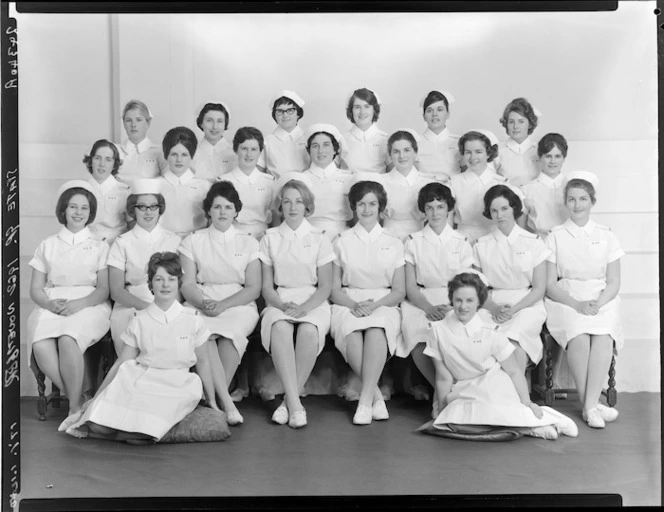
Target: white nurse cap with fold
201, 105
488, 134
328, 128
291, 95
583, 175
144, 186
76, 184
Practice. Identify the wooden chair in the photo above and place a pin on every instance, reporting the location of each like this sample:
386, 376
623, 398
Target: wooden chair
547, 391
102, 353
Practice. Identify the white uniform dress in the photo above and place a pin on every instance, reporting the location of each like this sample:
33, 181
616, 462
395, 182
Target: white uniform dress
285, 152
221, 263
155, 391
366, 151
402, 214
110, 220
295, 257
210, 161
518, 162
482, 393
437, 259
130, 253
468, 189
330, 187
439, 154
368, 262
543, 198
142, 160
184, 202
581, 255
508, 263
255, 191
70, 262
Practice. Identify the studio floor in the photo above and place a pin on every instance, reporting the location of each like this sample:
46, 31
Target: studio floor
332, 457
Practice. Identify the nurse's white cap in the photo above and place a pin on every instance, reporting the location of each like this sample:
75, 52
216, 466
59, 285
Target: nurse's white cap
76, 184
448, 95
415, 135
536, 111
285, 178
488, 134
323, 127
583, 175
291, 95
145, 186
201, 105
374, 93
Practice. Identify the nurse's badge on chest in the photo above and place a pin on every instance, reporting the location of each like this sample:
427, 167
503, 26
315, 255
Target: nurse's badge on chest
184, 339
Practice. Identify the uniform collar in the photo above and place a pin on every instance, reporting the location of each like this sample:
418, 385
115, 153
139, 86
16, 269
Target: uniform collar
511, 238
130, 147
251, 179
578, 231
74, 238
435, 239
165, 317
411, 179
363, 135
368, 237
430, 135
283, 135
556, 182
330, 170
142, 234
303, 230
226, 236
185, 178
220, 146
519, 148
470, 329
487, 175
106, 186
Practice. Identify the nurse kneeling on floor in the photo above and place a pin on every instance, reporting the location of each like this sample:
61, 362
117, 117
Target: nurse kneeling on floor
69, 285
296, 258
149, 389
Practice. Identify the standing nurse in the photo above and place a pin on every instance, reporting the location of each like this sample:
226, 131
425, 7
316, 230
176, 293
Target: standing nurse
439, 151
214, 156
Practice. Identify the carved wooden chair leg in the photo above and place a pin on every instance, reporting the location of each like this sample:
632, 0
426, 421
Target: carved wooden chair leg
549, 394
611, 393
41, 387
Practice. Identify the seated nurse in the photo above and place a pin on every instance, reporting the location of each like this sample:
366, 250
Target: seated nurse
141, 158
214, 156
439, 149
514, 264
366, 145
182, 190
103, 163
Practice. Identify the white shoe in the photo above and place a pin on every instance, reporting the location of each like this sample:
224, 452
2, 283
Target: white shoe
347, 392
420, 392
238, 394
70, 420
280, 415
386, 390
379, 411
362, 415
549, 432
298, 419
567, 427
234, 417
594, 418
266, 395
608, 414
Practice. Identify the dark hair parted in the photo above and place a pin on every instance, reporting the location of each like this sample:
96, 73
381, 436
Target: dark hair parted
364, 95
103, 143
361, 189
435, 192
63, 203
435, 97
223, 189
169, 261
401, 135
550, 141
179, 135
210, 107
522, 107
286, 101
582, 184
248, 133
470, 280
132, 200
506, 192
335, 143
491, 150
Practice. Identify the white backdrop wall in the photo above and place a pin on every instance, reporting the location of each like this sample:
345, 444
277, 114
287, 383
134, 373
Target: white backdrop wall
592, 75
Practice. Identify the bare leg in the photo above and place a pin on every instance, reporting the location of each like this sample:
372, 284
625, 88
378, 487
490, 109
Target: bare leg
601, 351
71, 369
578, 355
424, 363
306, 352
283, 357
229, 357
373, 361
219, 378
520, 356
46, 354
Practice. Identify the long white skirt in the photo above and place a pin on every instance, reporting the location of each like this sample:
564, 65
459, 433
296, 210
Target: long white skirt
145, 400
122, 315
525, 326
564, 323
491, 399
235, 323
414, 324
87, 326
344, 322
320, 317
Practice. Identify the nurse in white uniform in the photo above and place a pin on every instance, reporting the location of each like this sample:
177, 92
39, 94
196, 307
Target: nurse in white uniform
402, 185
296, 258
439, 149
103, 163
214, 155
129, 255
255, 187
182, 189
141, 158
434, 255
518, 161
544, 196
366, 145
479, 148
222, 278
514, 264
368, 286
69, 285
285, 148
583, 280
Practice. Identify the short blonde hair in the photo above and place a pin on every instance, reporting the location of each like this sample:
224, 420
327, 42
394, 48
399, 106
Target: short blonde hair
305, 192
137, 105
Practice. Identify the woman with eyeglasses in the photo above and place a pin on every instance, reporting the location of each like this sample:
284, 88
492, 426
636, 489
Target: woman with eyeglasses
129, 255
